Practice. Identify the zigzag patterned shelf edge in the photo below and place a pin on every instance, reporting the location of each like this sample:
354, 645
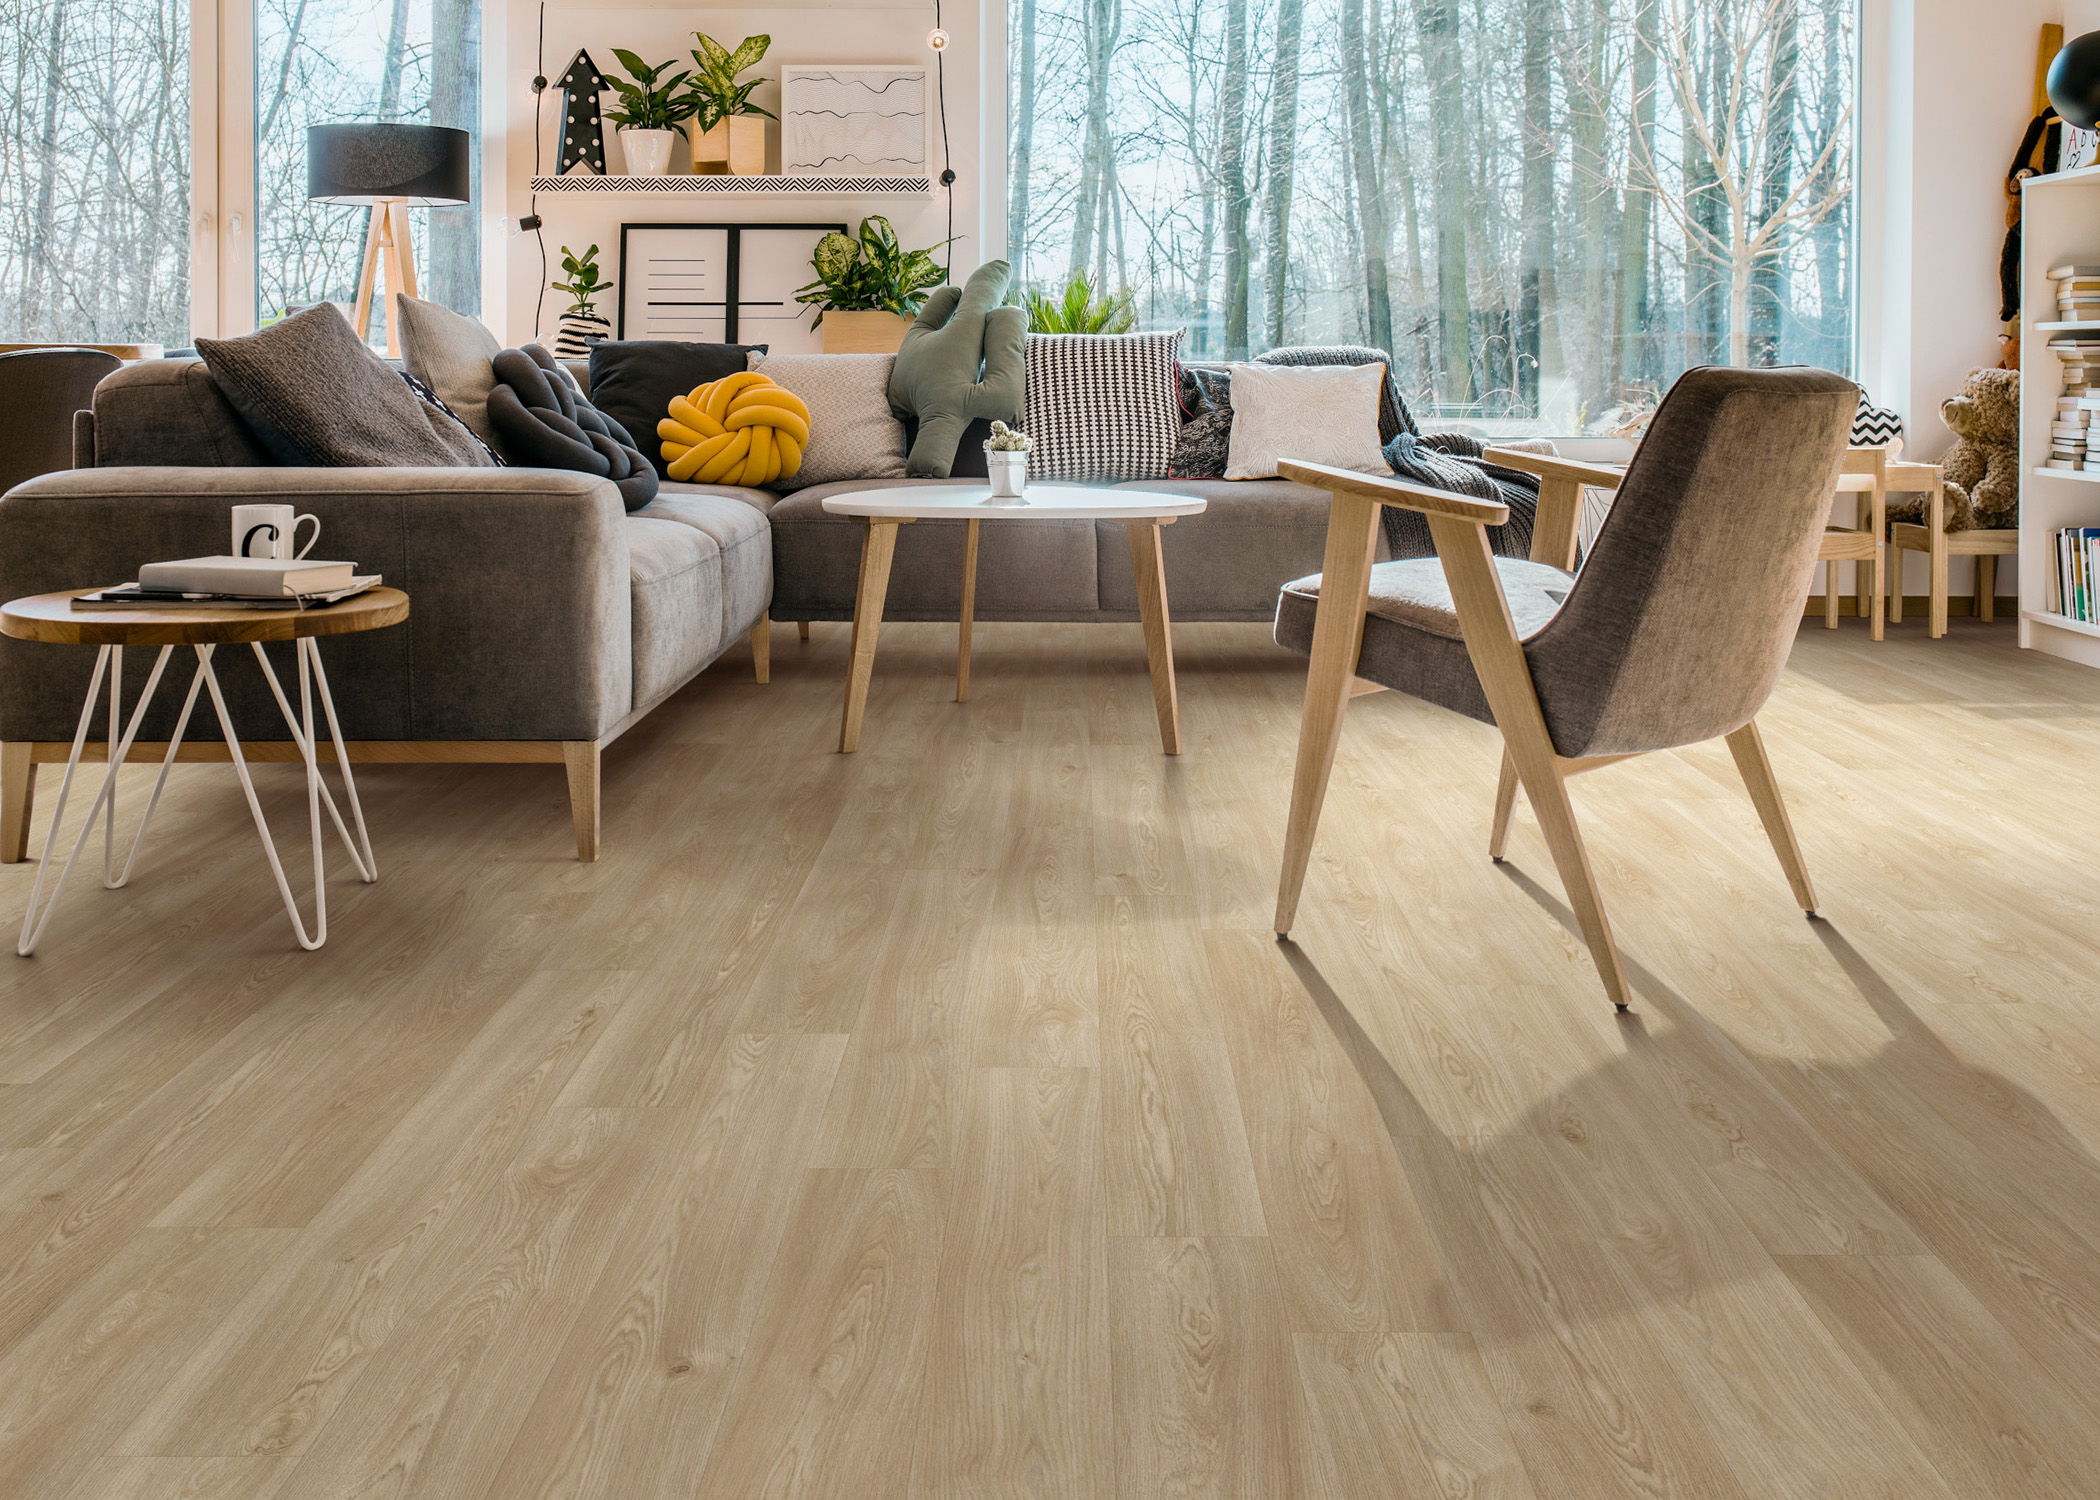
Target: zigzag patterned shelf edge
677, 185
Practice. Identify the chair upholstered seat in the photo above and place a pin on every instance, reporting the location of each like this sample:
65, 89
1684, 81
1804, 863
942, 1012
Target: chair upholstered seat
1411, 635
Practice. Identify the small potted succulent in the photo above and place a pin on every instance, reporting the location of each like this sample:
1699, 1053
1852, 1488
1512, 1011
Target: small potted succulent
729, 131
1006, 461
580, 326
649, 114
868, 289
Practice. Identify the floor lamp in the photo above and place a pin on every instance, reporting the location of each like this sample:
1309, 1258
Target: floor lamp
391, 168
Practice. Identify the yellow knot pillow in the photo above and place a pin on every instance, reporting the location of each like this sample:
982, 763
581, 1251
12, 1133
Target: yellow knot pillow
741, 429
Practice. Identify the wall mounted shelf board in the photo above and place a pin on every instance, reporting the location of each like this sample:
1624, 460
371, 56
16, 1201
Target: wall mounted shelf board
767, 186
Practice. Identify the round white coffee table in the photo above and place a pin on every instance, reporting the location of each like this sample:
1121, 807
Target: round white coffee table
882, 511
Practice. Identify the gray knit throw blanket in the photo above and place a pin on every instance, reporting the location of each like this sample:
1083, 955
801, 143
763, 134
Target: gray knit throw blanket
1452, 461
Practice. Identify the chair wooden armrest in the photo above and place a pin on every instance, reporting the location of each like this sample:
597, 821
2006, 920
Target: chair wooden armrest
1546, 466
1389, 491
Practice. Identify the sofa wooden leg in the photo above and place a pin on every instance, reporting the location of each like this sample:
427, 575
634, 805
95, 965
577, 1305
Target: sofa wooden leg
582, 758
17, 797
762, 648
802, 629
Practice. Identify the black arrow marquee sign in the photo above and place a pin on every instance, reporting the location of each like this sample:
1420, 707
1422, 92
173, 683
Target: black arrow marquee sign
582, 126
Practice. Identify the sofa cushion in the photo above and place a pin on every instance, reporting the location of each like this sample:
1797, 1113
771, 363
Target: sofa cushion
1102, 408
1321, 414
744, 542
171, 412
1228, 562
315, 395
452, 354
852, 432
1026, 570
633, 380
676, 578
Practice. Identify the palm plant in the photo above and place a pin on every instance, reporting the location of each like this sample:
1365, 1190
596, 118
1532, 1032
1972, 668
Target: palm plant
873, 273
714, 92
1078, 310
645, 104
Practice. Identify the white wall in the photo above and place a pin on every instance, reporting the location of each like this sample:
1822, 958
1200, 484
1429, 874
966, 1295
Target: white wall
836, 31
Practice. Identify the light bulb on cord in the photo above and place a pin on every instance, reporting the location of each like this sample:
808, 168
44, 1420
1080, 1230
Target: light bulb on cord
937, 39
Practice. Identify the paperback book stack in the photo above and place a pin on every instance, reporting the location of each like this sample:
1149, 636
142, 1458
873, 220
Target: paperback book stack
2078, 573
2067, 434
2077, 301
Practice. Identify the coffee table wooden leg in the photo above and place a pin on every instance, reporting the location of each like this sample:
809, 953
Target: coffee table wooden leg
1151, 578
878, 545
969, 608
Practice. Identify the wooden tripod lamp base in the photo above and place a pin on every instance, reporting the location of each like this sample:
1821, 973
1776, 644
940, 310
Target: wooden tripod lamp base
386, 238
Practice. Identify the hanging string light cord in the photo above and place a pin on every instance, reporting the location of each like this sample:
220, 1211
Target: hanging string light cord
940, 82
531, 220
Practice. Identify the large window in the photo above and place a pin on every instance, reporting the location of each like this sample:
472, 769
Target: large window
1546, 209
322, 62
95, 171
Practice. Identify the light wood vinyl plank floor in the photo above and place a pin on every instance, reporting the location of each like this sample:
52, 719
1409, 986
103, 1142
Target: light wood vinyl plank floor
944, 1121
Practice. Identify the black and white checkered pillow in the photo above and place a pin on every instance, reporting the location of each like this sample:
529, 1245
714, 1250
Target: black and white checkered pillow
1102, 408
1875, 426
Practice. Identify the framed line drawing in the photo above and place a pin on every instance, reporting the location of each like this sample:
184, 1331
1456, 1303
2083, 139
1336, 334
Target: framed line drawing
853, 120
719, 283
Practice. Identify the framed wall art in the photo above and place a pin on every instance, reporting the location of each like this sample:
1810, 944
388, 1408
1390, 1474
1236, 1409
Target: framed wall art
850, 120
719, 283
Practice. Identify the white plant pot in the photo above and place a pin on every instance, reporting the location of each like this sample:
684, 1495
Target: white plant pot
648, 152
1009, 473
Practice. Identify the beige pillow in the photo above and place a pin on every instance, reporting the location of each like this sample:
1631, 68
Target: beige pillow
1320, 414
852, 434
451, 353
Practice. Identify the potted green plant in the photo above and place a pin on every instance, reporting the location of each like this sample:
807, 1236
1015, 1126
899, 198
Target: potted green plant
649, 112
729, 131
869, 288
580, 327
1006, 461
1078, 309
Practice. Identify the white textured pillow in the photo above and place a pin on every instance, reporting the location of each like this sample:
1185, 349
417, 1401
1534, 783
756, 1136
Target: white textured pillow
1318, 414
852, 434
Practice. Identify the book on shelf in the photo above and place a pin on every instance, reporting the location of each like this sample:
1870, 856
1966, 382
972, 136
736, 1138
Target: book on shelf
133, 596
248, 577
2076, 586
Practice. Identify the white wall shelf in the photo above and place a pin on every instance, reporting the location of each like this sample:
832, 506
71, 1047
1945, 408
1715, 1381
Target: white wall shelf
2066, 327
768, 186
2059, 622
2043, 471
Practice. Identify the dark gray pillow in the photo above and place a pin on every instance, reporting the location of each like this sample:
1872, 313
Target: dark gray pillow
1206, 422
633, 381
315, 396
543, 425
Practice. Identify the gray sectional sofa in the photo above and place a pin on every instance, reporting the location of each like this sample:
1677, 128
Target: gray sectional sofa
546, 619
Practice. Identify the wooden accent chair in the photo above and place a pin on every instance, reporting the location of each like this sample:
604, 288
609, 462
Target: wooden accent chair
1675, 631
1985, 544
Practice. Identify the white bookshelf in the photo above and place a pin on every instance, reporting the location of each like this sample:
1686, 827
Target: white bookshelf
2060, 224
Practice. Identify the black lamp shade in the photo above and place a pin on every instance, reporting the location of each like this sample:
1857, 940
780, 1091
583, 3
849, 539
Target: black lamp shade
427, 165
2074, 81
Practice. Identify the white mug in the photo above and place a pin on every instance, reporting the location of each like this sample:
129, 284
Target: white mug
269, 531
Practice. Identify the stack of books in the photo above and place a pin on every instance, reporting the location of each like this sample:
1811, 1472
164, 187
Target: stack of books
2078, 573
2067, 434
2077, 301
234, 583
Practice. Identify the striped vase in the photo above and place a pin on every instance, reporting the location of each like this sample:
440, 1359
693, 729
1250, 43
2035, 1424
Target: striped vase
576, 332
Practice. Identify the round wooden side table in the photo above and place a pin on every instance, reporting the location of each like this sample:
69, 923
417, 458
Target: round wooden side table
52, 618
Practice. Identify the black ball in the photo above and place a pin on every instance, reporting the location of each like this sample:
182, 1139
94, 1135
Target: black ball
2074, 81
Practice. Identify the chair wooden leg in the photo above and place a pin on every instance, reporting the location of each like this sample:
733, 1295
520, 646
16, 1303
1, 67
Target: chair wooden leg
1896, 555
802, 629
1505, 804
1986, 587
1937, 589
1532, 751
1830, 595
17, 799
878, 546
1338, 635
762, 648
582, 756
1877, 606
1748, 748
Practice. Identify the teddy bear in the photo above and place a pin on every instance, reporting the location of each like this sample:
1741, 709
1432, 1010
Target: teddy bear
1982, 469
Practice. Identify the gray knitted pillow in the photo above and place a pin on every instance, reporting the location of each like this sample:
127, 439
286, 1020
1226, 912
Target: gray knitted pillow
317, 397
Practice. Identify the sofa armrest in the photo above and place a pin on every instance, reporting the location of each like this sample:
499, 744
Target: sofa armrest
520, 622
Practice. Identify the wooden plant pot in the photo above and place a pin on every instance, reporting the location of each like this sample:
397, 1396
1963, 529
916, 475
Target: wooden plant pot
864, 332
736, 145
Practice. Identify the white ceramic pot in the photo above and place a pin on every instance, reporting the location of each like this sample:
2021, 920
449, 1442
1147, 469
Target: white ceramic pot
1009, 473
648, 152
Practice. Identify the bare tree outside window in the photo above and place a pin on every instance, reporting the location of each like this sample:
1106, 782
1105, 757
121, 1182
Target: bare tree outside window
95, 171
1546, 209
